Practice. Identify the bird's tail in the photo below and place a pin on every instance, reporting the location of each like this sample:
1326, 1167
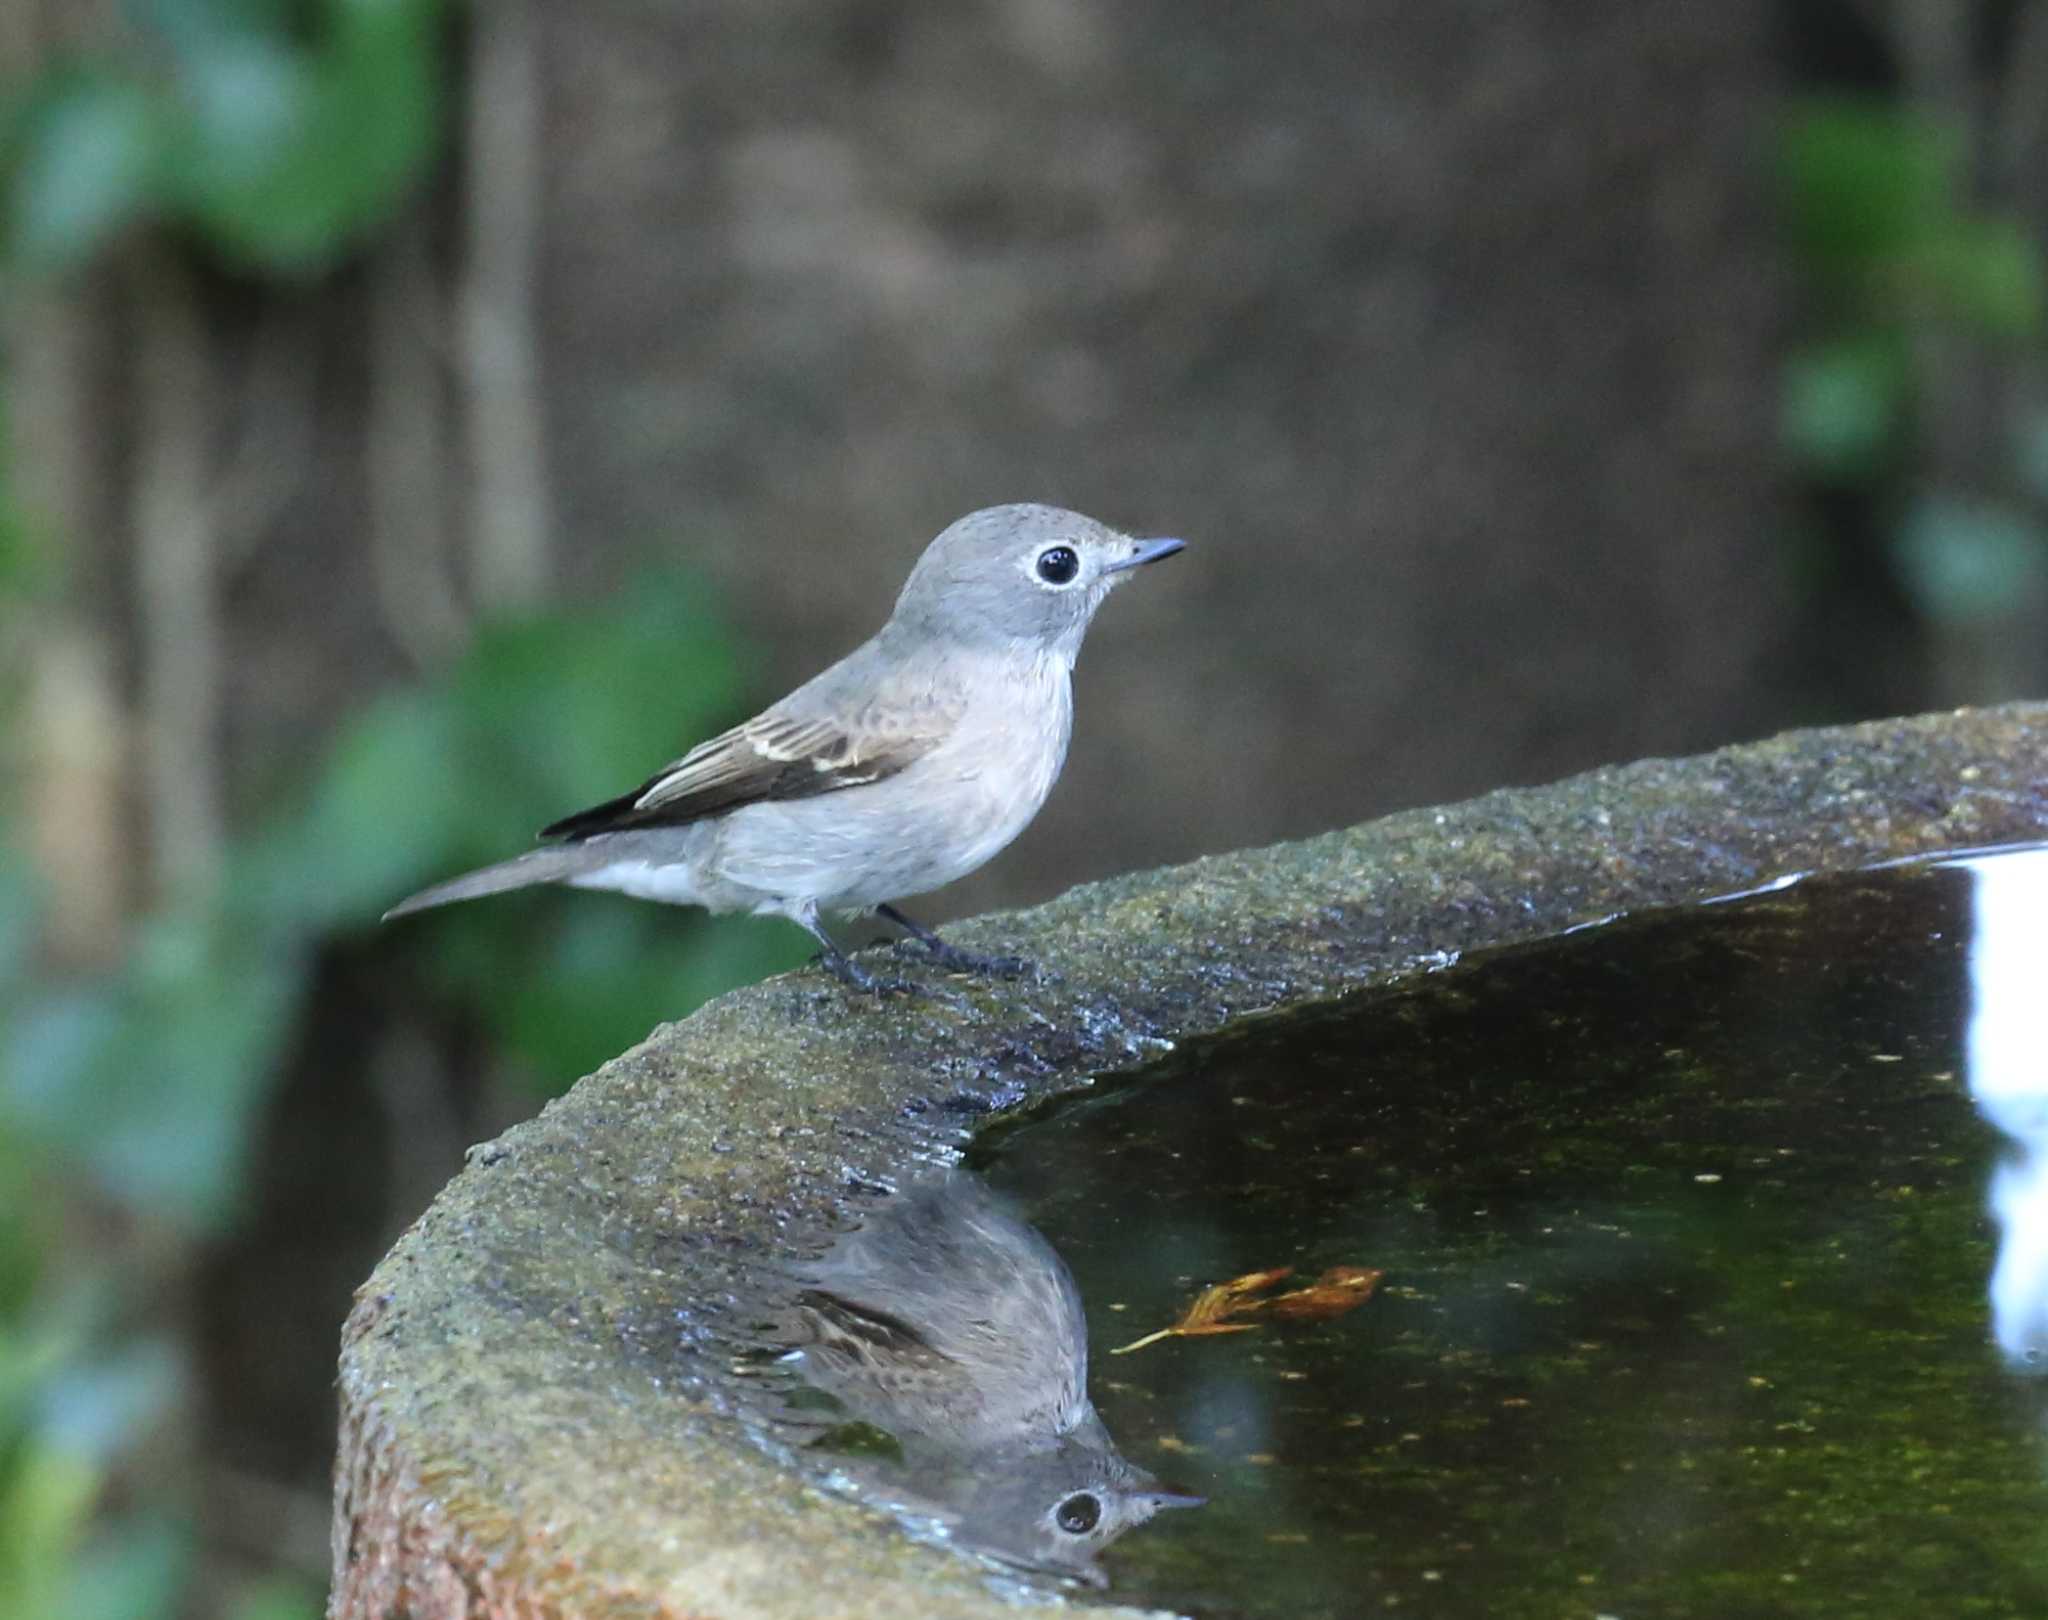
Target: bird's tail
550, 865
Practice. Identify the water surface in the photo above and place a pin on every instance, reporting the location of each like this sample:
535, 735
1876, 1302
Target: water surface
1696, 1302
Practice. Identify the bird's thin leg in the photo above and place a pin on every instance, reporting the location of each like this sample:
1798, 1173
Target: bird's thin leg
952, 956
849, 972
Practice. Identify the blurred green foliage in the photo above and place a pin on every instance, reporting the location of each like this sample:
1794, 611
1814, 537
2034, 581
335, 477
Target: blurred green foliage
149, 1081
281, 134
75, 1385
281, 130
151, 1077
1874, 201
1876, 212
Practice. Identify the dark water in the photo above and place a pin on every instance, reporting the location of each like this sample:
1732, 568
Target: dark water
1689, 1249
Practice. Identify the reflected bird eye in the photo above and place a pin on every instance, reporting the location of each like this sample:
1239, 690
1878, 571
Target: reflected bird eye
1078, 1514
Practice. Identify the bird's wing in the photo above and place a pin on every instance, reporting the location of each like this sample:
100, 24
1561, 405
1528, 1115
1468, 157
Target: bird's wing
865, 1331
804, 746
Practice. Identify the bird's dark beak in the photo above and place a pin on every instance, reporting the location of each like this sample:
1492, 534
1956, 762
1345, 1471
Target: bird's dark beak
1175, 1499
1148, 551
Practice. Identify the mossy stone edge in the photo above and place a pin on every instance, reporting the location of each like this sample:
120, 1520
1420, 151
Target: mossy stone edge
520, 1432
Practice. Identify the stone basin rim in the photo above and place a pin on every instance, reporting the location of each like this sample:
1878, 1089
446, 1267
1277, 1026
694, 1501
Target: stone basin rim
518, 1318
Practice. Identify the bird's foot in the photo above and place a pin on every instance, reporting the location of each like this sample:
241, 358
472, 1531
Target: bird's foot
855, 977
955, 960
952, 957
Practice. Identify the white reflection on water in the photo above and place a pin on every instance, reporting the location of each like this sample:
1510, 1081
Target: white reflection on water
2008, 1069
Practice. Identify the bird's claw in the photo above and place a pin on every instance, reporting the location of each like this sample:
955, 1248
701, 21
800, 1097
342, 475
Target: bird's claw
855, 977
955, 960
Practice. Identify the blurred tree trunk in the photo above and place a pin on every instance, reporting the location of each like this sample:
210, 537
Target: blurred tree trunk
500, 335
73, 768
1982, 401
406, 450
173, 530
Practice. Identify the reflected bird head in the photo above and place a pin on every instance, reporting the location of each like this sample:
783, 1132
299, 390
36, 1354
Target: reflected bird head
954, 1328
1057, 1509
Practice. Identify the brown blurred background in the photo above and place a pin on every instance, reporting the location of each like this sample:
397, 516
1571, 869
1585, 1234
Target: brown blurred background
1536, 385
1446, 338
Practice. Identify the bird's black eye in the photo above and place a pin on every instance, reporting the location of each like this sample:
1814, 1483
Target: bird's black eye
1079, 1513
1057, 565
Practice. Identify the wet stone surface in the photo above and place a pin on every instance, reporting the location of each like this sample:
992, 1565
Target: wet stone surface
1716, 1272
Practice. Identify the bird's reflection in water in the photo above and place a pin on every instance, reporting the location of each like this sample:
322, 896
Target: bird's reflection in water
949, 1325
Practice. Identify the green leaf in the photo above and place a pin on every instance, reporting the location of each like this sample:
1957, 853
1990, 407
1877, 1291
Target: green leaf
388, 811
1965, 560
1863, 181
17, 918
171, 1110
52, 1043
153, 1080
46, 1497
134, 1569
597, 973
190, 28
295, 148
34, 1346
278, 1600
553, 713
29, 1227
564, 711
1842, 406
1985, 274
541, 716
1874, 202
24, 568
251, 103
95, 1408
85, 166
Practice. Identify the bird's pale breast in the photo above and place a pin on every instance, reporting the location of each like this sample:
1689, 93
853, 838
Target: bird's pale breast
922, 828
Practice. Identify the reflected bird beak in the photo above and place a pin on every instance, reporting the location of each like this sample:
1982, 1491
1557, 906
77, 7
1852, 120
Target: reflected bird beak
1175, 1499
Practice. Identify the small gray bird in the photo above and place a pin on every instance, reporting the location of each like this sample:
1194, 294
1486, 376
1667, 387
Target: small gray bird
907, 764
951, 1325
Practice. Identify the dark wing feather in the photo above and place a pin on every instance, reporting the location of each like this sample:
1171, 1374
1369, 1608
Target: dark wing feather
777, 755
865, 1331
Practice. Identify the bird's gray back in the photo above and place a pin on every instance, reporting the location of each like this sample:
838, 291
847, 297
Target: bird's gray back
991, 1301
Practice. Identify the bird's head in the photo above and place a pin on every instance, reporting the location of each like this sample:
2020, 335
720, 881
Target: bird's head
1024, 576
1051, 1508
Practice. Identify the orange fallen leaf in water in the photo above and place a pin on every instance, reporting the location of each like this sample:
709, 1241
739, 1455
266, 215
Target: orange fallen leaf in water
1214, 1309
1340, 1289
